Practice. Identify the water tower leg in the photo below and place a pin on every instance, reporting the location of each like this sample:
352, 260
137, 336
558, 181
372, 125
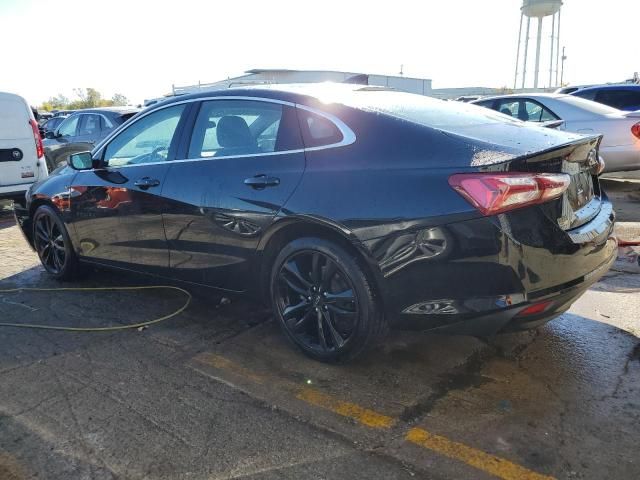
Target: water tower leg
558, 49
515, 80
553, 32
538, 42
526, 51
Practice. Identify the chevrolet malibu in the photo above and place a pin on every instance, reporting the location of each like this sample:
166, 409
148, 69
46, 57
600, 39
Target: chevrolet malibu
348, 209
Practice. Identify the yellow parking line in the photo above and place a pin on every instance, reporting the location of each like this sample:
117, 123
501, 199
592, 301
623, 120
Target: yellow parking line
486, 462
361, 415
222, 363
496, 466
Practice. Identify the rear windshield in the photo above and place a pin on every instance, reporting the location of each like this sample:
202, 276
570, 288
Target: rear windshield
588, 105
444, 115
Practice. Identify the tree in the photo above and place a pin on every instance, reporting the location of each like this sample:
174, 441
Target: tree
55, 103
87, 98
119, 100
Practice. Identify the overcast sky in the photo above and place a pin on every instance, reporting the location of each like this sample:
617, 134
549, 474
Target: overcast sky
140, 48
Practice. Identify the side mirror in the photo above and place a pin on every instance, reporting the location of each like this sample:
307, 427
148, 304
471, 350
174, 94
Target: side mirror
81, 161
49, 134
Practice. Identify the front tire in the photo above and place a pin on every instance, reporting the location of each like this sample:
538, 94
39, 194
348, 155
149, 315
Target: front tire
53, 245
323, 300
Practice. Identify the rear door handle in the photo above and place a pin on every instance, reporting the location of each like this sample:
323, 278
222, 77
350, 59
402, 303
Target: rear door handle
146, 182
261, 181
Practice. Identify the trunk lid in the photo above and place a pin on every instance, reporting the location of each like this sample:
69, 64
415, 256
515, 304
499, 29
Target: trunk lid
581, 202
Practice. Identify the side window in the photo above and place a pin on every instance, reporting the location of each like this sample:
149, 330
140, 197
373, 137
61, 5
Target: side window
619, 98
537, 113
89, 124
105, 123
69, 126
145, 141
509, 107
588, 95
318, 131
225, 128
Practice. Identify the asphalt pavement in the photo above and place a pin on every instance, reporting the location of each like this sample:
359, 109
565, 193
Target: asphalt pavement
217, 393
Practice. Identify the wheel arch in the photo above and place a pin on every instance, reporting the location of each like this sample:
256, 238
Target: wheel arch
289, 229
36, 203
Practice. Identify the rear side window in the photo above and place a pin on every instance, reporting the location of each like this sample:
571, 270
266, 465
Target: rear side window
89, 124
588, 94
226, 128
621, 99
318, 131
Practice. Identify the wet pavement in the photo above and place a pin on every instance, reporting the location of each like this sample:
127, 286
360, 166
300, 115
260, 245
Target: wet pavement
217, 393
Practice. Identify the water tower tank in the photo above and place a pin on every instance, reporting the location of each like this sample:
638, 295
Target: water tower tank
540, 8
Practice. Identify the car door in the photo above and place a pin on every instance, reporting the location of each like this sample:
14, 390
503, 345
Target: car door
117, 208
241, 163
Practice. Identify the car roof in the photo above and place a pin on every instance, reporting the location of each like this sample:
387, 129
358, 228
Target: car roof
520, 95
623, 86
115, 110
290, 92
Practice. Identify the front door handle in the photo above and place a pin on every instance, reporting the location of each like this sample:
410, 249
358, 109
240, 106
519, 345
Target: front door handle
146, 182
261, 181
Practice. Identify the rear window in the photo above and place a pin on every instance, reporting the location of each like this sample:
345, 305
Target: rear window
425, 110
588, 105
14, 119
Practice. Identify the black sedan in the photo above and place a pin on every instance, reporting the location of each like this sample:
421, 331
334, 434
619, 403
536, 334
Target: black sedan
349, 209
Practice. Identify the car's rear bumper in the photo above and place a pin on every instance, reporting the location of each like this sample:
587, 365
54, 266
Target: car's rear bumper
23, 220
489, 270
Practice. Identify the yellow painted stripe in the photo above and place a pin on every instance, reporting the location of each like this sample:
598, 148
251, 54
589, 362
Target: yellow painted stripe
222, 363
496, 466
362, 415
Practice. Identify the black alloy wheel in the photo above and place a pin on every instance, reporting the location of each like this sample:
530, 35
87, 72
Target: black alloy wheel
52, 244
322, 300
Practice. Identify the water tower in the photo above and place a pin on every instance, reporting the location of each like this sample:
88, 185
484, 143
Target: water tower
540, 9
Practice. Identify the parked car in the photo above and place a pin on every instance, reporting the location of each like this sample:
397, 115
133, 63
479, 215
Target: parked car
50, 125
347, 208
623, 97
63, 113
21, 151
620, 146
81, 130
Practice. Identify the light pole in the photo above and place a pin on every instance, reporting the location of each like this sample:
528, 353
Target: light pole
564, 57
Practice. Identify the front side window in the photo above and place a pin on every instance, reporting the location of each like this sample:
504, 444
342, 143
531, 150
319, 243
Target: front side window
235, 127
69, 126
145, 141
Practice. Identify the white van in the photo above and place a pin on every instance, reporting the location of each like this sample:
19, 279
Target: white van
22, 160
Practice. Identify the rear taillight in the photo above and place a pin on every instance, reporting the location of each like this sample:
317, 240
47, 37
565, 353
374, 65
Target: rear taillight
37, 138
535, 309
493, 193
636, 130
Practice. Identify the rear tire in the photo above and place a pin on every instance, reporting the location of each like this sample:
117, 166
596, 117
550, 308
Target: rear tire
323, 300
53, 245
